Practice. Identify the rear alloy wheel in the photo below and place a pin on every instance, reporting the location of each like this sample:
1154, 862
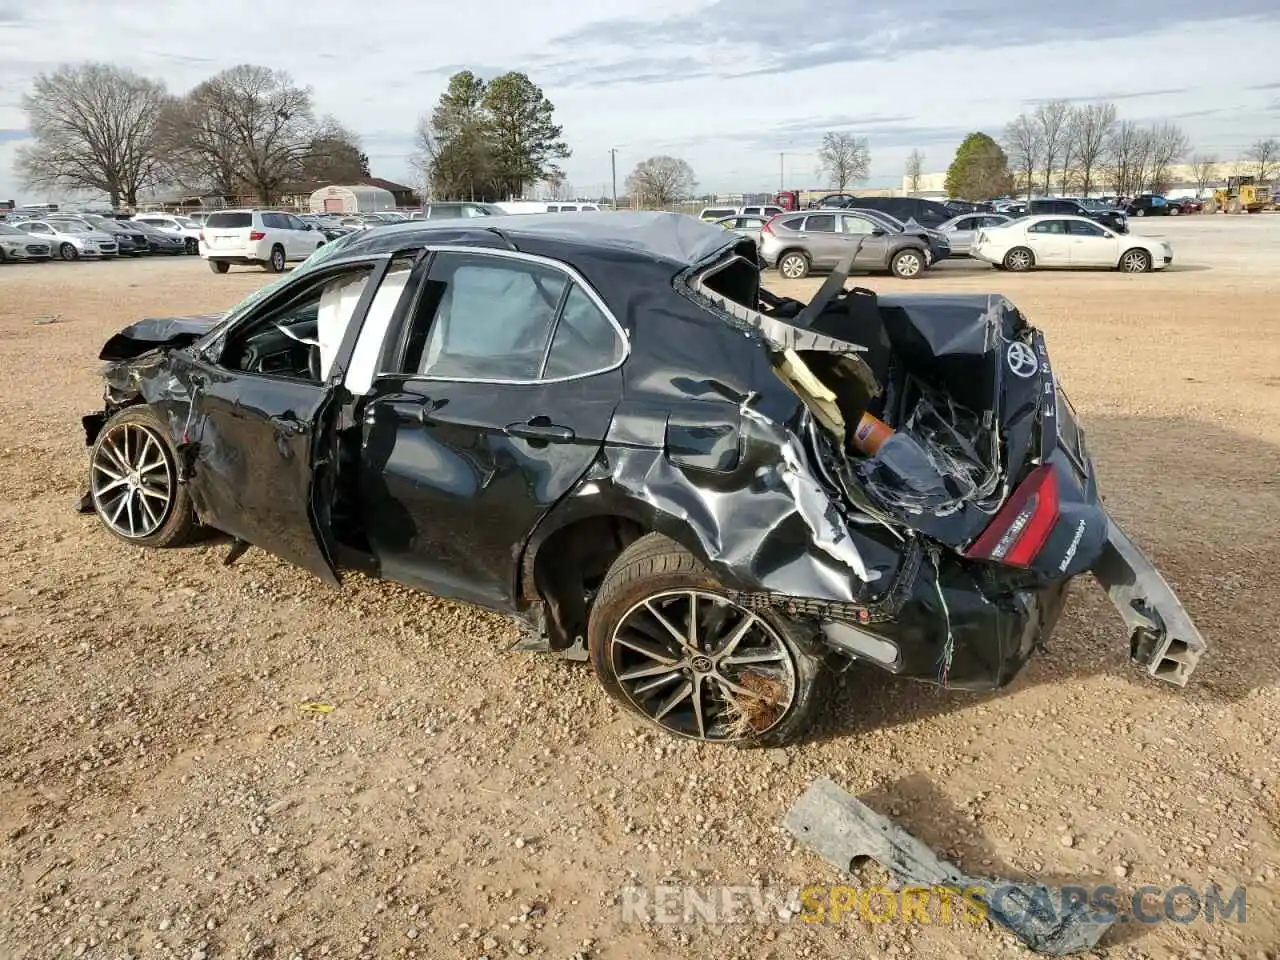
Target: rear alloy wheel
1135, 261
1174, 212
1140, 212
192, 245
219, 266
908, 264
668, 644
1019, 260
133, 481
68, 252
276, 263
794, 266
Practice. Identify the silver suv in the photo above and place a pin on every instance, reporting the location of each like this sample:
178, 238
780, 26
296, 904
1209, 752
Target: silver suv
799, 243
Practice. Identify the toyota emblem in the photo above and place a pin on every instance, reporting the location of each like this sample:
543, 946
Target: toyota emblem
1022, 361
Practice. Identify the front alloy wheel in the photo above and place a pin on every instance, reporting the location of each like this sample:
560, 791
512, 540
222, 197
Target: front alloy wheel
133, 481
907, 264
1135, 261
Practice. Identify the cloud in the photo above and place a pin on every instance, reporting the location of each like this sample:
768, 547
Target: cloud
725, 84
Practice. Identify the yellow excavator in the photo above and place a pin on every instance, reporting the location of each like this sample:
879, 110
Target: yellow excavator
1240, 195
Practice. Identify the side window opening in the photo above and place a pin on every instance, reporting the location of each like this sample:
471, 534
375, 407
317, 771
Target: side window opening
490, 318
299, 339
584, 339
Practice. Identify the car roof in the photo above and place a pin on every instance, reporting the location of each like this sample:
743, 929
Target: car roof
675, 238
1038, 217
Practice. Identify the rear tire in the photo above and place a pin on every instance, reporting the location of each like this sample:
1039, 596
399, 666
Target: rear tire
193, 246
793, 265
1140, 212
218, 266
780, 685
1019, 260
1174, 212
276, 262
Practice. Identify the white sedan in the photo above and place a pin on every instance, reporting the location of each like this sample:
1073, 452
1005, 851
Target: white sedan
1063, 241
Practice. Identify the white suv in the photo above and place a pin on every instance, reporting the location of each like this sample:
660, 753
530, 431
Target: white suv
266, 237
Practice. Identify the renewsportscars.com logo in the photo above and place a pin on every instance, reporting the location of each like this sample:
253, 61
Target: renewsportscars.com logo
680, 904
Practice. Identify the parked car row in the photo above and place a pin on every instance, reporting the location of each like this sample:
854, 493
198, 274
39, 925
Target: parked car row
816, 240
68, 236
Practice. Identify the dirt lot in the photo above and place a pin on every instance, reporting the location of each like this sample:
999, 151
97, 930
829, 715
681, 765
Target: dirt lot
165, 795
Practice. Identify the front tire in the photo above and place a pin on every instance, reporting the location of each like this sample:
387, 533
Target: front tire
1135, 261
1019, 260
133, 481
192, 246
1174, 212
907, 264
68, 252
1140, 212
668, 644
793, 265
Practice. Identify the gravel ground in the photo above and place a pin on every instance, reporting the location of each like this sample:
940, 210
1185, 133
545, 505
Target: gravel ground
167, 796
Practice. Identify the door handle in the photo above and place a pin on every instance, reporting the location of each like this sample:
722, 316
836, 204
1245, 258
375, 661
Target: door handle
288, 424
539, 428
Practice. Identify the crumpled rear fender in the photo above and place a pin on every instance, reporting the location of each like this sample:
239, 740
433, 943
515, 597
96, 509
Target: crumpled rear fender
739, 495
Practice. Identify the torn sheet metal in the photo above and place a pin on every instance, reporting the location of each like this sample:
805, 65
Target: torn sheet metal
843, 830
145, 335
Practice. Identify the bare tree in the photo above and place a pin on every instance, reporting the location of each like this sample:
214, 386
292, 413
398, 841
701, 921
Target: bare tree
251, 126
1051, 120
555, 184
1204, 166
1025, 147
94, 128
1066, 168
1091, 128
660, 181
915, 171
1168, 145
1264, 154
335, 157
845, 158
1128, 151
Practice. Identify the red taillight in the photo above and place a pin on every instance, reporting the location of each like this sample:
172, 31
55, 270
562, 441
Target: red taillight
201, 238
257, 235
768, 224
1022, 526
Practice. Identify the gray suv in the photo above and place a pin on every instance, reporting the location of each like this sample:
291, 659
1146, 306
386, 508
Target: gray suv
799, 243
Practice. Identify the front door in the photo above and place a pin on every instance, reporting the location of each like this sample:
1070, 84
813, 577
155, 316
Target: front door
259, 415
504, 393
875, 240
1091, 245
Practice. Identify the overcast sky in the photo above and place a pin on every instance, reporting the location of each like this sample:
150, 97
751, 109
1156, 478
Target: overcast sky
726, 84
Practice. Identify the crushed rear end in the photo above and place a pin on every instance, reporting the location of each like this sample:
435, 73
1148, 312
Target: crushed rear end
958, 487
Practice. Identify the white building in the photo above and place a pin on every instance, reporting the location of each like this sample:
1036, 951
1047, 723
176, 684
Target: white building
353, 199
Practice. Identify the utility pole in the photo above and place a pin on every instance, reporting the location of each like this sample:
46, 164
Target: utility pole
613, 164
782, 185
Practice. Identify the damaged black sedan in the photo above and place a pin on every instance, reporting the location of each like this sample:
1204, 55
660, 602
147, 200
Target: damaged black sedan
605, 427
